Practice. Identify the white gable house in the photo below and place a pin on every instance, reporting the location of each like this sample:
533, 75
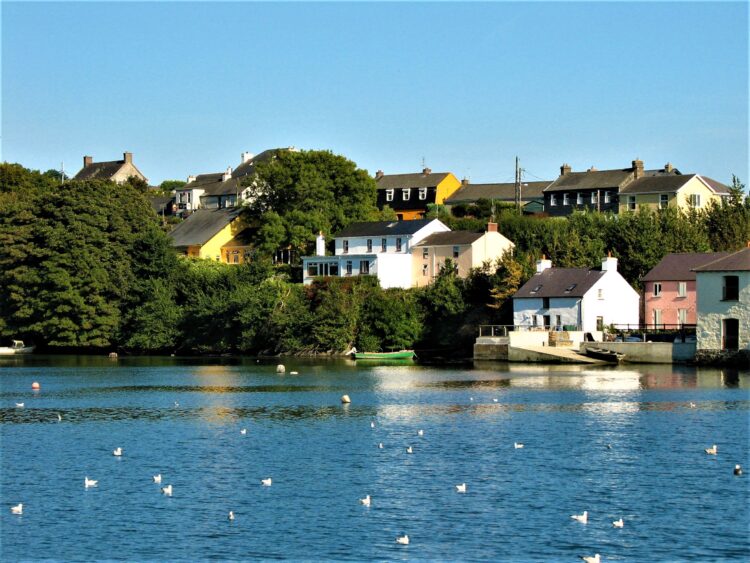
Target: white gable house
576, 298
381, 248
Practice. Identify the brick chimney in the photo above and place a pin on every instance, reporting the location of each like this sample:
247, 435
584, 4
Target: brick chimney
592, 169
543, 264
379, 174
668, 168
426, 171
491, 227
638, 168
464, 181
128, 157
565, 169
320, 244
609, 264
88, 161
191, 179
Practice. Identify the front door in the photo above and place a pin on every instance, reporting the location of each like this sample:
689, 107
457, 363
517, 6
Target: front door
547, 321
730, 334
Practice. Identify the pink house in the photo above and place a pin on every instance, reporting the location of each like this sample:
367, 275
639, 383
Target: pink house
669, 289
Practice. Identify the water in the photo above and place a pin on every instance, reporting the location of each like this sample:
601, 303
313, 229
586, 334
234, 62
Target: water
677, 502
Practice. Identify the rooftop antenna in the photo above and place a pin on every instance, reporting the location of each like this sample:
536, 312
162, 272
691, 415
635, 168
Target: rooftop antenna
62, 173
423, 165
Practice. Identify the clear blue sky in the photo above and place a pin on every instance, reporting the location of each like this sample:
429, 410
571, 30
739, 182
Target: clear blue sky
187, 87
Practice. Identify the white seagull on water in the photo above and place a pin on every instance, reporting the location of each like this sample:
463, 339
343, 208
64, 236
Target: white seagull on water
167, 490
461, 488
380, 445
243, 431
713, 450
582, 518
365, 501
157, 478
89, 482
420, 432
517, 445
231, 515
618, 523
266, 482
409, 450
117, 452
403, 540
590, 559
18, 509
19, 405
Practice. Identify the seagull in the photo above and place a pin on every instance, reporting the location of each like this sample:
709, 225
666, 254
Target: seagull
365, 501
89, 482
517, 445
471, 398
372, 425
293, 373
266, 482
738, 469
19, 405
117, 452
59, 418
618, 523
157, 478
409, 450
494, 400
420, 432
243, 431
176, 404
380, 445
461, 488
167, 490
713, 450
589, 559
609, 446
692, 405
231, 515
404, 540
582, 518
18, 509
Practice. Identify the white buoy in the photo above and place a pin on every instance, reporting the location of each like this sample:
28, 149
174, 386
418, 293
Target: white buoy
19, 405
280, 368
35, 386
345, 399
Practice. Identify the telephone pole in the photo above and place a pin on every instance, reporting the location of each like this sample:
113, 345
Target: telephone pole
518, 186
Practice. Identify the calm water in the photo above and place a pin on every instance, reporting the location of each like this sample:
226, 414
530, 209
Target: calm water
677, 502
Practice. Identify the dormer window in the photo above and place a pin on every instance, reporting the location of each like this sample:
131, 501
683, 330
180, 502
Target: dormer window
570, 288
405, 193
423, 193
389, 195
536, 289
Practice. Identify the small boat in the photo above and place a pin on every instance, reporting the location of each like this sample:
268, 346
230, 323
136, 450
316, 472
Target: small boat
605, 355
17, 348
400, 355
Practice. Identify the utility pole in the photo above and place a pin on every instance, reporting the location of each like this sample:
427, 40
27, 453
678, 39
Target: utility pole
62, 173
518, 186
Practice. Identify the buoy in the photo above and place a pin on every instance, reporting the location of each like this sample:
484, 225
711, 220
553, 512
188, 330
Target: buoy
280, 368
36, 386
345, 399
738, 469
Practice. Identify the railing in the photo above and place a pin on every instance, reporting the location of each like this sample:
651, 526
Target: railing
494, 330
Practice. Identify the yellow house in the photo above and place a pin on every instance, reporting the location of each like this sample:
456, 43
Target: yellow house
212, 234
683, 191
465, 249
410, 194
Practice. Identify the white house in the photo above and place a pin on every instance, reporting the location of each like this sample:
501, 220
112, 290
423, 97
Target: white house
723, 303
577, 298
380, 248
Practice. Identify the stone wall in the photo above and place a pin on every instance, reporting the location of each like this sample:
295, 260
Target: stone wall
733, 358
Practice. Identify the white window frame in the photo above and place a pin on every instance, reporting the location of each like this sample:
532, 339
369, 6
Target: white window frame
695, 200
369, 245
600, 293
663, 201
682, 289
566, 199
607, 197
682, 316
579, 198
657, 289
423, 193
425, 253
405, 194
364, 267
389, 195
348, 267
552, 200
345, 246
657, 317
593, 198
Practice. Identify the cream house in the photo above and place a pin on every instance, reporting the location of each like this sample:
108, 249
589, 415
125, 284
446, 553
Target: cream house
117, 171
659, 192
465, 249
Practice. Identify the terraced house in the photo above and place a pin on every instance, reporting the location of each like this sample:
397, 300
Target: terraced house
410, 194
117, 171
532, 195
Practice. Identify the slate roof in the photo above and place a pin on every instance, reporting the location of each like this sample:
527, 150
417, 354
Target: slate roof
734, 262
201, 225
418, 180
718, 187
450, 238
100, 170
247, 168
594, 179
159, 203
555, 282
470, 193
680, 266
656, 184
383, 228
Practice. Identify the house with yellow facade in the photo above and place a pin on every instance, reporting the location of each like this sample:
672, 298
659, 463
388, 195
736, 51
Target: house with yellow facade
213, 234
465, 250
684, 191
410, 194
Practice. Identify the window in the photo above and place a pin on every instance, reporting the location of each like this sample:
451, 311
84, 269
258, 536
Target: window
424, 269
600, 293
545, 302
579, 199
607, 197
389, 195
657, 316
663, 201
348, 267
312, 269
566, 199
682, 316
405, 193
593, 198
456, 251
731, 288
657, 289
398, 244
631, 203
423, 193
570, 288
682, 289
695, 200
552, 200
383, 245
599, 323
536, 289
236, 258
345, 246
369, 245
425, 253
333, 269
364, 267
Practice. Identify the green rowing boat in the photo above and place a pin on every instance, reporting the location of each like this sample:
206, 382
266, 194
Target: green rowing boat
400, 355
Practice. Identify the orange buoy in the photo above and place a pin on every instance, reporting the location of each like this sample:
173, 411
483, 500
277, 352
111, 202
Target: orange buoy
36, 385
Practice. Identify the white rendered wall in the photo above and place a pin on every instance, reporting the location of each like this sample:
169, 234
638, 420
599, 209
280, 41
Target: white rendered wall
620, 303
525, 309
394, 270
711, 310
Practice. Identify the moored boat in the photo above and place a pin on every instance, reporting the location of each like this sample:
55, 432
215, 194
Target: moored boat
605, 355
17, 348
400, 355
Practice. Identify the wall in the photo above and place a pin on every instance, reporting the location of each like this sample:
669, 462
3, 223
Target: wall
126, 171
648, 352
446, 188
490, 247
524, 310
695, 186
620, 304
436, 257
212, 249
394, 270
712, 310
669, 301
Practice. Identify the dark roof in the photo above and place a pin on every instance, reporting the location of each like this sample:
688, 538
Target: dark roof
680, 266
718, 187
734, 262
656, 184
243, 238
159, 202
470, 193
201, 226
387, 228
450, 238
99, 170
560, 282
418, 180
594, 179
247, 168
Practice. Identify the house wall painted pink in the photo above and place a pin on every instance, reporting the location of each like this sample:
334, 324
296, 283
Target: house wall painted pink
669, 302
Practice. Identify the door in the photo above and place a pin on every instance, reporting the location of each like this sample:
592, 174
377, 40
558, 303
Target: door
547, 321
730, 334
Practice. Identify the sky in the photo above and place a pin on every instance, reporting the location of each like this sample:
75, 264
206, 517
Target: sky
460, 87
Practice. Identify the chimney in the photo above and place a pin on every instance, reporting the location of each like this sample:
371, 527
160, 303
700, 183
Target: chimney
227, 175
464, 181
565, 169
668, 168
491, 227
320, 244
426, 171
592, 169
87, 161
191, 179
379, 174
609, 264
638, 168
128, 157
543, 264
246, 157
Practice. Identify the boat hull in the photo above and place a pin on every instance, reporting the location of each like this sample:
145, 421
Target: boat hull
400, 355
